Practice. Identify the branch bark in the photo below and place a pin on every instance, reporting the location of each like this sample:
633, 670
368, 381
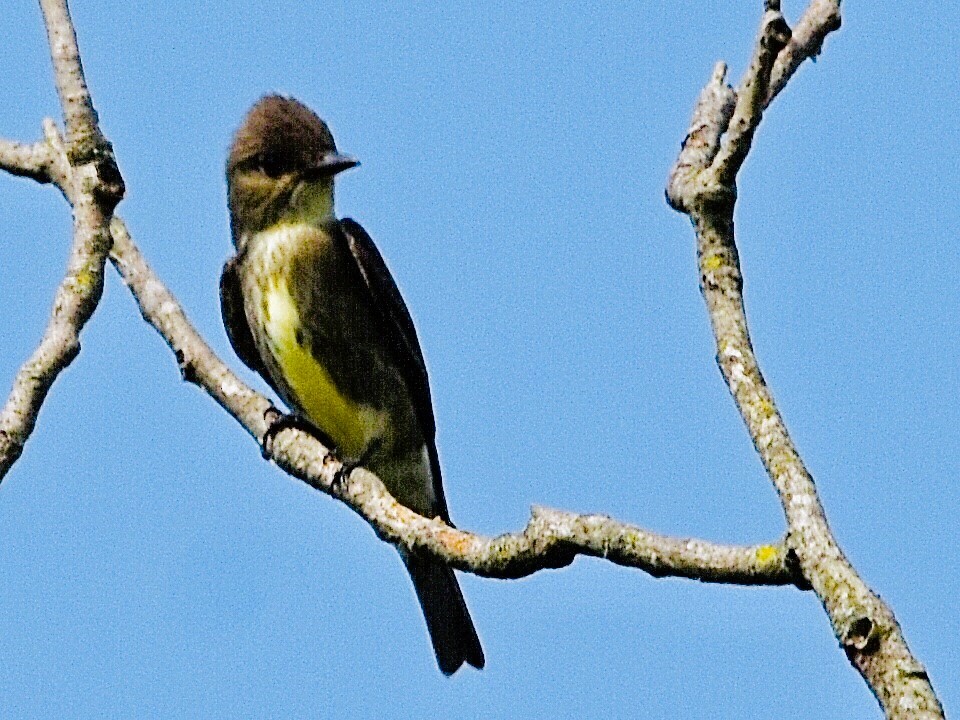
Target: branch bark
702, 184
85, 170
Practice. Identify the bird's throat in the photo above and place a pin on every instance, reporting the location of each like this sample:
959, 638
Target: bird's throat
311, 203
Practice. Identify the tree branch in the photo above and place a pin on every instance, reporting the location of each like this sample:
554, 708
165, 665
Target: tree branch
751, 96
551, 539
821, 18
30, 161
87, 174
702, 184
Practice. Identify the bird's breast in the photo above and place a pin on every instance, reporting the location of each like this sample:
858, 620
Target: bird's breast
293, 350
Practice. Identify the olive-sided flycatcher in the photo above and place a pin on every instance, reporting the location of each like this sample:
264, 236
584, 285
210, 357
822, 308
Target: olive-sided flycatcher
309, 303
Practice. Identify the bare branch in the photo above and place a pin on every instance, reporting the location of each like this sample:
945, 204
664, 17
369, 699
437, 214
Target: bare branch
30, 161
551, 539
711, 116
198, 363
751, 97
821, 18
85, 143
705, 188
87, 174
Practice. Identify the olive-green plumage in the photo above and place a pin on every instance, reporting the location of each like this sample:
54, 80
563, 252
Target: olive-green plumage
309, 303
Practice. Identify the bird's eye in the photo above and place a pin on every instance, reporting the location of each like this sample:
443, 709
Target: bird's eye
269, 164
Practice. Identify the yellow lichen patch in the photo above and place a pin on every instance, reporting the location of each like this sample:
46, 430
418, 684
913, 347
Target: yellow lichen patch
83, 280
459, 543
766, 554
765, 406
712, 262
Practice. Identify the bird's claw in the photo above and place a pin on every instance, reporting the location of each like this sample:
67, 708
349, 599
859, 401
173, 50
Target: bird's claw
348, 465
342, 476
278, 422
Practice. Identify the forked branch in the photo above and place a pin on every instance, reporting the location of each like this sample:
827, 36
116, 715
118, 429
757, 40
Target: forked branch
702, 184
85, 171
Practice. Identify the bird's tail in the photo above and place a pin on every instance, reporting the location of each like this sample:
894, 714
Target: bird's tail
451, 630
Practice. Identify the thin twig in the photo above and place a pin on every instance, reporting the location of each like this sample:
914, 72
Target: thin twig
821, 18
751, 96
30, 161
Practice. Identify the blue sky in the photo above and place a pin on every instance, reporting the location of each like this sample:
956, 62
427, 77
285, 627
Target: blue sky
153, 565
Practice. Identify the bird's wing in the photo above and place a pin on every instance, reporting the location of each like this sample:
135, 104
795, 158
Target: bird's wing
235, 319
401, 338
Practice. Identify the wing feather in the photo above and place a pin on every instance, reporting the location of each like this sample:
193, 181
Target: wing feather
235, 320
402, 339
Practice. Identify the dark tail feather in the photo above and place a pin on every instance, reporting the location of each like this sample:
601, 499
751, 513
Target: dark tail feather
454, 638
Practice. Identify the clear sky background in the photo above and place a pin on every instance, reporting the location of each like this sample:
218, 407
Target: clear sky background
514, 158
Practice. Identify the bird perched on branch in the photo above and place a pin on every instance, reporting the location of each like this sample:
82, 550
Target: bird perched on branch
309, 303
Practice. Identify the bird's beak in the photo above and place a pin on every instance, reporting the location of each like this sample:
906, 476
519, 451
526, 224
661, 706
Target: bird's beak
330, 165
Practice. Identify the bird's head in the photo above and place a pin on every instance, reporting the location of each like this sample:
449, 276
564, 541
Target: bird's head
281, 167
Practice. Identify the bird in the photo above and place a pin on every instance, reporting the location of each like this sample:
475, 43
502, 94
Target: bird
309, 303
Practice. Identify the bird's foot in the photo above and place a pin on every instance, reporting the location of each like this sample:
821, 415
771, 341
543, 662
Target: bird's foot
348, 465
341, 476
278, 421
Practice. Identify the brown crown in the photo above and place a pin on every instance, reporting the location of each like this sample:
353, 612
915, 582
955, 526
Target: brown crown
280, 135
